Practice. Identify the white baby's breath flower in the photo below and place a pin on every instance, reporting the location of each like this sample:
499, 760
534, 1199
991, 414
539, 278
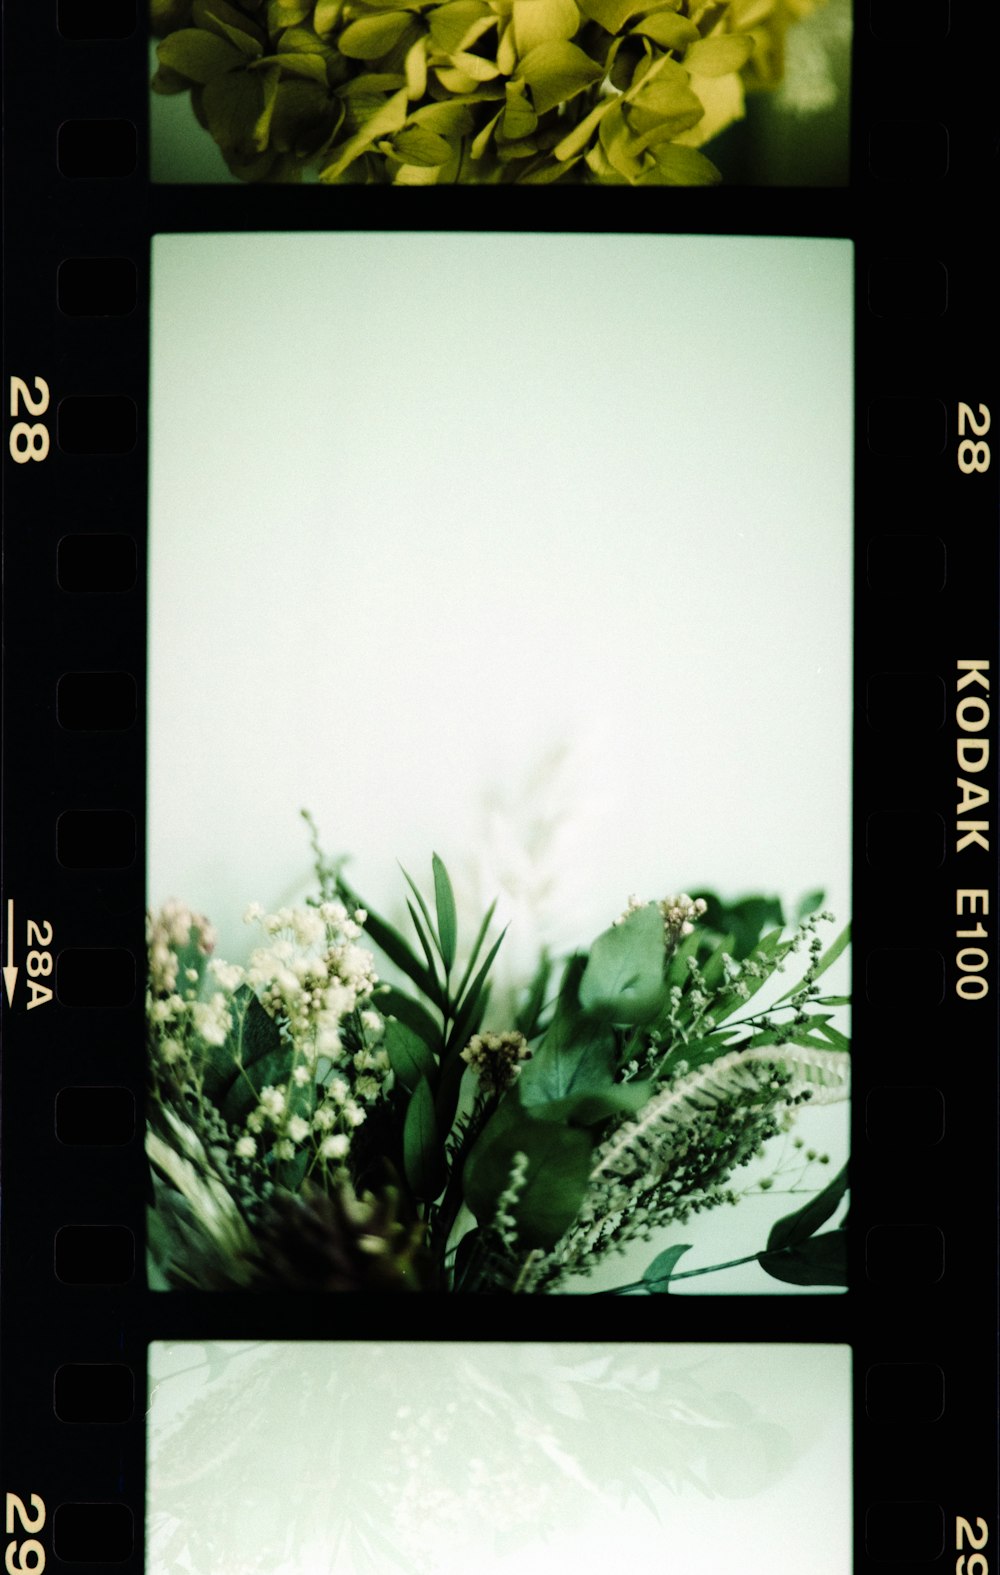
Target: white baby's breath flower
229, 975
325, 1118
335, 1146
272, 1102
353, 1113
302, 1075
372, 1021
254, 912
298, 1130
246, 1147
284, 1149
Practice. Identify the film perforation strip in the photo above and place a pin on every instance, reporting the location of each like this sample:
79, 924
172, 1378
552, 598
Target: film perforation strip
919, 1313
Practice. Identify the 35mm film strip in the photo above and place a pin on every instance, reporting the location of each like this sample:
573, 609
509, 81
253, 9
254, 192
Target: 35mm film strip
179, 345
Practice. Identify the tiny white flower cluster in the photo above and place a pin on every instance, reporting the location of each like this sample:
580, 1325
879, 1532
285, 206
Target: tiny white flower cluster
168, 931
312, 973
679, 914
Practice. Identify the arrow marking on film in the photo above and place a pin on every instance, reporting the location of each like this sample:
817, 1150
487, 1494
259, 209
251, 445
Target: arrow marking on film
10, 972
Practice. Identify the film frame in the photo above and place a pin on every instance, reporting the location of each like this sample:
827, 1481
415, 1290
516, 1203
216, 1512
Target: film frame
921, 1306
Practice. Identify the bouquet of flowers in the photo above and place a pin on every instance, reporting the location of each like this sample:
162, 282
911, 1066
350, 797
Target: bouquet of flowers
427, 92
313, 1125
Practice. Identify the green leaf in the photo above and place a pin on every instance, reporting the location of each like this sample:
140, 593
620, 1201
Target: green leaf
410, 1058
542, 21
558, 1171
269, 84
286, 13
393, 1003
624, 972
591, 1109
667, 29
198, 55
809, 904
576, 140
371, 37
451, 24
833, 1000
822, 1260
310, 66
459, 1036
243, 1094
611, 14
806, 1221
519, 118
719, 56
233, 106
556, 72
423, 1160
418, 145
390, 118
576, 1056
444, 897
390, 941
460, 127
253, 1035
245, 42
527, 1020
327, 14
657, 1276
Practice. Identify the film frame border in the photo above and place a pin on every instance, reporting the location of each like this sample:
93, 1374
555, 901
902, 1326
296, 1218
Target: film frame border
920, 614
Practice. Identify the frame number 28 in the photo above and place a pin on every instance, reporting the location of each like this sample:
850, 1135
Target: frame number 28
28, 439
973, 456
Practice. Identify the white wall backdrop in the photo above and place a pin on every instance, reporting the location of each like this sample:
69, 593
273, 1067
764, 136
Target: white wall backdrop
438, 1459
531, 550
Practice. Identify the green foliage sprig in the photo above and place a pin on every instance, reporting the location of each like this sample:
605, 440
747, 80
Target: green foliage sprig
426, 92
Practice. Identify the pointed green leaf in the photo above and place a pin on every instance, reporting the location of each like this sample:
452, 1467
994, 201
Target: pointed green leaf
556, 72
395, 947
371, 37
444, 897
667, 29
480, 937
821, 1260
718, 56
624, 972
423, 1160
576, 1056
806, 1221
410, 1058
233, 106
390, 118
459, 1036
393, 1003
558, 1170
657, 1276
199, 55
419, 145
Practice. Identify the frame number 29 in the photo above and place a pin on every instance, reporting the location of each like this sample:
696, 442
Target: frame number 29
28, 439
971, 1563
27, 1557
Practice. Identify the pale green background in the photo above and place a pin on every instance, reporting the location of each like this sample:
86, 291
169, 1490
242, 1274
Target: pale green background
531, 550
281, 1428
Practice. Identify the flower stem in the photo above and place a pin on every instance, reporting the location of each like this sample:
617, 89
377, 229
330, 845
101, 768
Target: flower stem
688, 1274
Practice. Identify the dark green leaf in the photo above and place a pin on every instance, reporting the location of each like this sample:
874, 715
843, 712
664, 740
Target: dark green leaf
198, 55
576, 1056
371, 37
624, 972
418, 145
488, 915
444, 897
558, 1171
556, 72
423, 908
423, 1160
833, 1000
527, 1021
821, 1260
809, 904
395, 947
657, 1276
806, 1221
459, 1036
233, 107
253, 1036
410, 1058
393, 1003
590, 1109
